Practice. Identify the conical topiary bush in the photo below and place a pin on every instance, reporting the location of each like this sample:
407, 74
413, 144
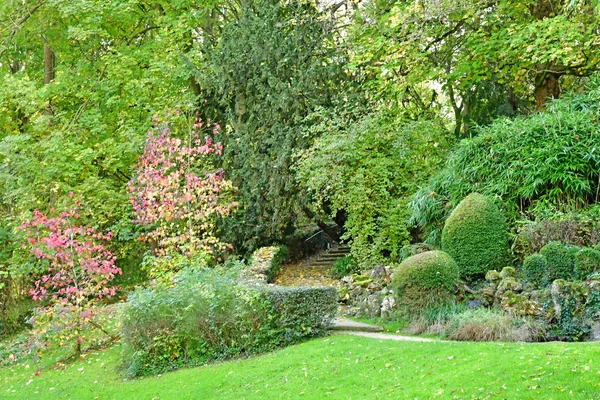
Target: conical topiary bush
476, 236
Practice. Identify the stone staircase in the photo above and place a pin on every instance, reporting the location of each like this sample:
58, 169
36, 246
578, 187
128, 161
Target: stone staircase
328, 258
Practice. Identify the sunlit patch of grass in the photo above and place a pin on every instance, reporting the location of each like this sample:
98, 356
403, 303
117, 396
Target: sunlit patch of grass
341, 367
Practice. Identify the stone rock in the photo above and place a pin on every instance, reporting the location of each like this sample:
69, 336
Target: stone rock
347, 280
508, 272
370, 306
507, 284
343, 294
492, 276
595, 331
388, 304
520, 304
474, 304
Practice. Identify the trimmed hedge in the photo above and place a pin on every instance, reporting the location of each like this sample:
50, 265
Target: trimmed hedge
561, 260
211, 314
476, 236
301, 312
425, 279
535, 269
587, 262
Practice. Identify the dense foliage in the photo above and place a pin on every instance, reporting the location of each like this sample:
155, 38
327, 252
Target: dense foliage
269, 70
339, 118
536, 164
367, 171
476, 236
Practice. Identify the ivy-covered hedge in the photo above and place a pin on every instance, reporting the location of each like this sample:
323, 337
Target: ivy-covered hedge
476, 236
213, 314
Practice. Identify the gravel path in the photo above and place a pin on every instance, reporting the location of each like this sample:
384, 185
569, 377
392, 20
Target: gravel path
387, 336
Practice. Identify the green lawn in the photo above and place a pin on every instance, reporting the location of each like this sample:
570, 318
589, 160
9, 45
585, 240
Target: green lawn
340, 367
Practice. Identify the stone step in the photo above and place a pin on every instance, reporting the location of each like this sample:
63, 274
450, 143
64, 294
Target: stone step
344, 324
329, 257
322, 264
336, 254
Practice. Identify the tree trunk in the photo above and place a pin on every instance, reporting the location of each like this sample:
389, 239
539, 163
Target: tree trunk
546, 87
49, 64
331, 232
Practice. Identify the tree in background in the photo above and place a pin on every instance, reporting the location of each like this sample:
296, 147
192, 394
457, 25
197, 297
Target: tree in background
269, 70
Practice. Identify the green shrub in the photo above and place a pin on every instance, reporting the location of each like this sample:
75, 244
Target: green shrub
343, 266
560, 259
424, 280
587, 262
208, 314
579, 229
535, 269
476, 236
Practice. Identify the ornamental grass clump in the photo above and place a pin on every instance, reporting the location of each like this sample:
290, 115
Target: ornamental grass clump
476, 236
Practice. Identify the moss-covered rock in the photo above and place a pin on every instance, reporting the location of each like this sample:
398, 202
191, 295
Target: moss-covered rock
520, 303
425, 278
476, 236
587, 262
508, 284
569, 311
535, 269
561, 260
492, 276
508, 272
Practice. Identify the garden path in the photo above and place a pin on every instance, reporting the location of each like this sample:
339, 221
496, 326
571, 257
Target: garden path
387, 336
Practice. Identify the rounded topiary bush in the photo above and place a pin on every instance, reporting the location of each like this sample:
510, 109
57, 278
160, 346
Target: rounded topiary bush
587, 262
561, 260
534, 268
476, 236
425, 279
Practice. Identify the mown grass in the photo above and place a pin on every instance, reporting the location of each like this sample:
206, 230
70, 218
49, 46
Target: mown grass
337, 367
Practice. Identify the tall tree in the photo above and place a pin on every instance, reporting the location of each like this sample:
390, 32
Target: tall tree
270, 69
